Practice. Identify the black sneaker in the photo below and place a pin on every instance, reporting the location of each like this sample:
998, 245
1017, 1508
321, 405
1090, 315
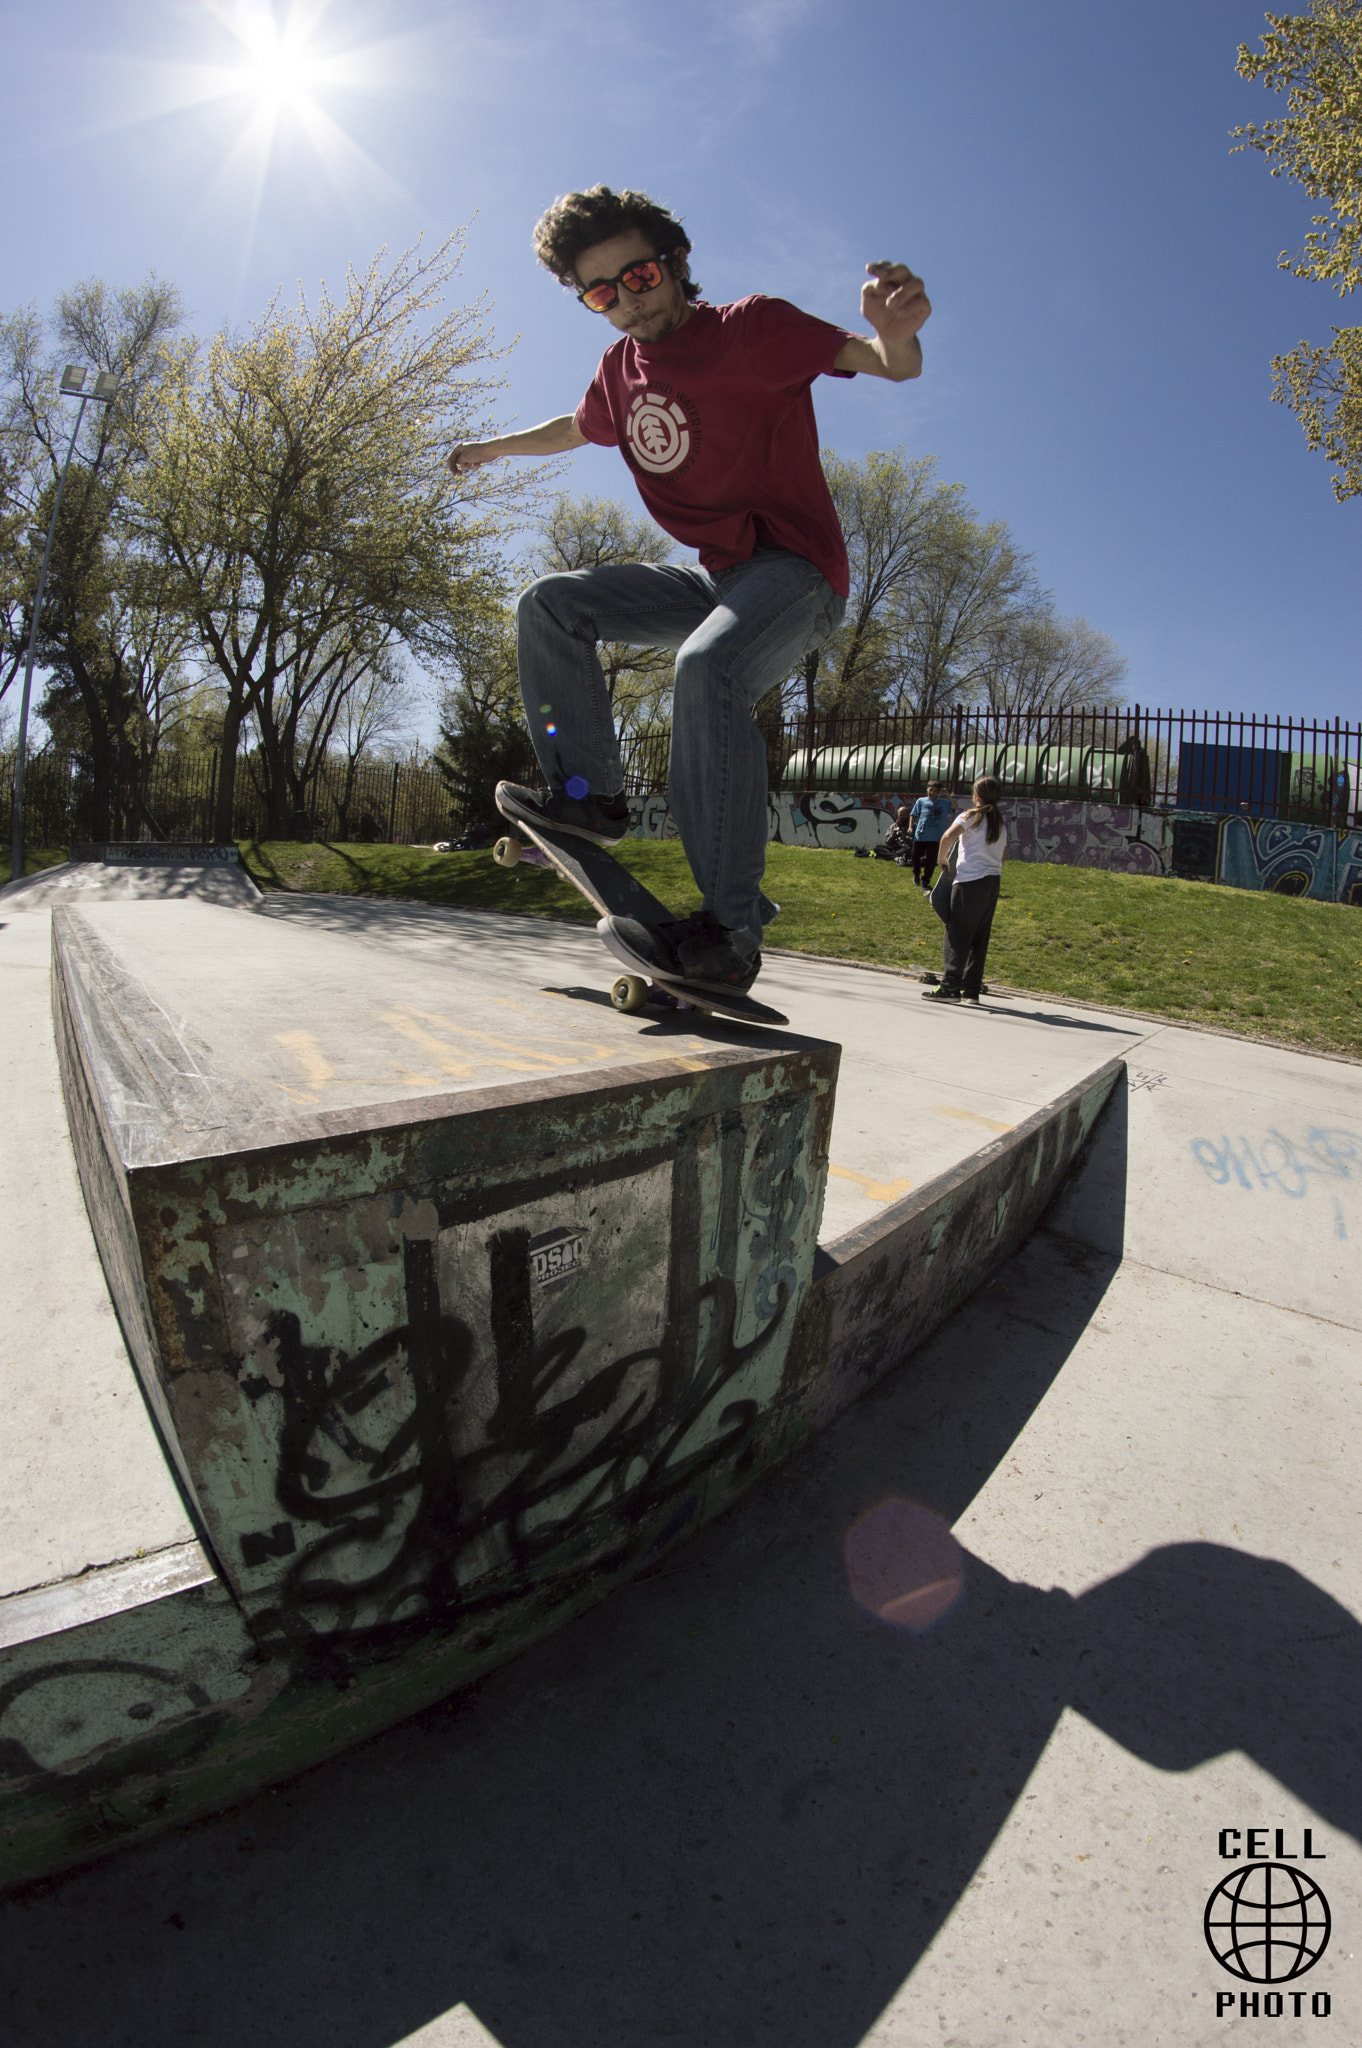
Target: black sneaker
602, 819
710, 958
940, 995
645, 948
695, 949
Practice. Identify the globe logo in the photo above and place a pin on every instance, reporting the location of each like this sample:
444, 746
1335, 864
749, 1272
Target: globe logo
659, 433
1267, 1923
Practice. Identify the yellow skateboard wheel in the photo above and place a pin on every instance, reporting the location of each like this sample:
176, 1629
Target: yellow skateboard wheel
629, 993
506, 852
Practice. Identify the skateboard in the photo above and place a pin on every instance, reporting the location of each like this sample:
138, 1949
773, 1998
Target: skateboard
613, 892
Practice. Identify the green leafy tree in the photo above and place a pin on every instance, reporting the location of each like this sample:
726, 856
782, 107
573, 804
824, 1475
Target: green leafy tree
483, 736
111, 637
296, 487
1315, 60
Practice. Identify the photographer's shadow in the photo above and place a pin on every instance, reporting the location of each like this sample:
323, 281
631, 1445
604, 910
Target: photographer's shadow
733, 1804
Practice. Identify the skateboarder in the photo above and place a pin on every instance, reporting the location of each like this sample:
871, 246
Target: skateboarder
711, 408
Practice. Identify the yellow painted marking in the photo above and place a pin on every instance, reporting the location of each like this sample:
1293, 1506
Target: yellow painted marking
317, 1068
968, 1116
444, 1058
878, 1190
296, 1094
537, 1054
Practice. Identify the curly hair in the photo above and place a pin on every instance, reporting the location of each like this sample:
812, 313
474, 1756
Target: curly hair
580, 219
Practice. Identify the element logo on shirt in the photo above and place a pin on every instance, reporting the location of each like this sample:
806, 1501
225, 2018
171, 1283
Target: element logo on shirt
659, 432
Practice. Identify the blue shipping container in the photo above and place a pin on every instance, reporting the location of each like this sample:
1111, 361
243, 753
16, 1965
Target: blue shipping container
1248, 780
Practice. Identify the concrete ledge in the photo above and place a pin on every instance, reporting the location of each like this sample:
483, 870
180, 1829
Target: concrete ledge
880, 1291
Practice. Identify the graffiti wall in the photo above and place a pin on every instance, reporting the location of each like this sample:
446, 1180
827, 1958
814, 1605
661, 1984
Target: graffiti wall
1114, 836
1119, 837
1318, 861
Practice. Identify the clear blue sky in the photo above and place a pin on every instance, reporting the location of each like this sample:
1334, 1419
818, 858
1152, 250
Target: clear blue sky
1103, 269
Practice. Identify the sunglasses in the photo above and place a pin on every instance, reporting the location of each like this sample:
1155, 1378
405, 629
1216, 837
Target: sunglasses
643, 276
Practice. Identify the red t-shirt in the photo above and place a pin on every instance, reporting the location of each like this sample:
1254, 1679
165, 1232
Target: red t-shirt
716, 422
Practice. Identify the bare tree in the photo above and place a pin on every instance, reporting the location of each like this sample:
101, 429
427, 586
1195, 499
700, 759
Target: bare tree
1033, 660
937, 626
885, 504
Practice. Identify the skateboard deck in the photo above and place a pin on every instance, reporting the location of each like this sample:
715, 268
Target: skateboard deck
613, 892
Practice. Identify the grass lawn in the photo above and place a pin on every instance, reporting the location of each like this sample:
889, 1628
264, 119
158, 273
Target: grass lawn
1268, 966
35, 858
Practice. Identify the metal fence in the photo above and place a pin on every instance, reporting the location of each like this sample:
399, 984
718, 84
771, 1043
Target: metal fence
402, 802
1301, 769
1305, 770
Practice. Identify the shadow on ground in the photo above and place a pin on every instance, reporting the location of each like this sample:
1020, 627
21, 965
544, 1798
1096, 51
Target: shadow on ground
728, 1807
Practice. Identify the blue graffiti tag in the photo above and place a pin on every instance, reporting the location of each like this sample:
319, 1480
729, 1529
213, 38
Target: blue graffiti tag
1275, 1161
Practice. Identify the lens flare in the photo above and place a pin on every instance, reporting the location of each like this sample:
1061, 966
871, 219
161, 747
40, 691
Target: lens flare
577, 785
903, 1565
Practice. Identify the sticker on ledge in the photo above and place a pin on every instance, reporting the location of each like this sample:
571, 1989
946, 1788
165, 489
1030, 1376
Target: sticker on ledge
555, 1254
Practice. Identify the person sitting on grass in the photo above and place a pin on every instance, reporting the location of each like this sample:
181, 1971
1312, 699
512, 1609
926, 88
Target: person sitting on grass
898, 840
982, 839
931, 815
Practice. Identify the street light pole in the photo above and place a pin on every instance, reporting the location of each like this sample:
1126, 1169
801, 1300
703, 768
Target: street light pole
104, 392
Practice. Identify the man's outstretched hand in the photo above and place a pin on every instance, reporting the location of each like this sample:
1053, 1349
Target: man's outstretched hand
895, 302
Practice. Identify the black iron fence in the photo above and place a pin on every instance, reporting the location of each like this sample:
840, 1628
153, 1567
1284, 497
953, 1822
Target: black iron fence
402, 802
1305, 770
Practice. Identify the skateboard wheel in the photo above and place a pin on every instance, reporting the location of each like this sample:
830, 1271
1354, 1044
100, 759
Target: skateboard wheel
506, 852
629, 993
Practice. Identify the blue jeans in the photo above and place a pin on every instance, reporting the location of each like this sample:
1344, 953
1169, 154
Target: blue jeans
737, 634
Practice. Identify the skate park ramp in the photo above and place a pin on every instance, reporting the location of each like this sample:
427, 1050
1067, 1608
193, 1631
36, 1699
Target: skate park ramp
92, 881
737, 1802
257, 1582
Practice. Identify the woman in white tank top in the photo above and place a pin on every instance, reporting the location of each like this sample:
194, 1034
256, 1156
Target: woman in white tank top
982, 839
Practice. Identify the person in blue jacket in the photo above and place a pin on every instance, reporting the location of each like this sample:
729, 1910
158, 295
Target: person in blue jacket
931, 815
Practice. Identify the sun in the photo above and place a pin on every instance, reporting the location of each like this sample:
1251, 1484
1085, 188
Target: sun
274, 89
282, 68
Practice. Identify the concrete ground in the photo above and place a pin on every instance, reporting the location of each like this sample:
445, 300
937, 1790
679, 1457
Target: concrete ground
734, 1806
